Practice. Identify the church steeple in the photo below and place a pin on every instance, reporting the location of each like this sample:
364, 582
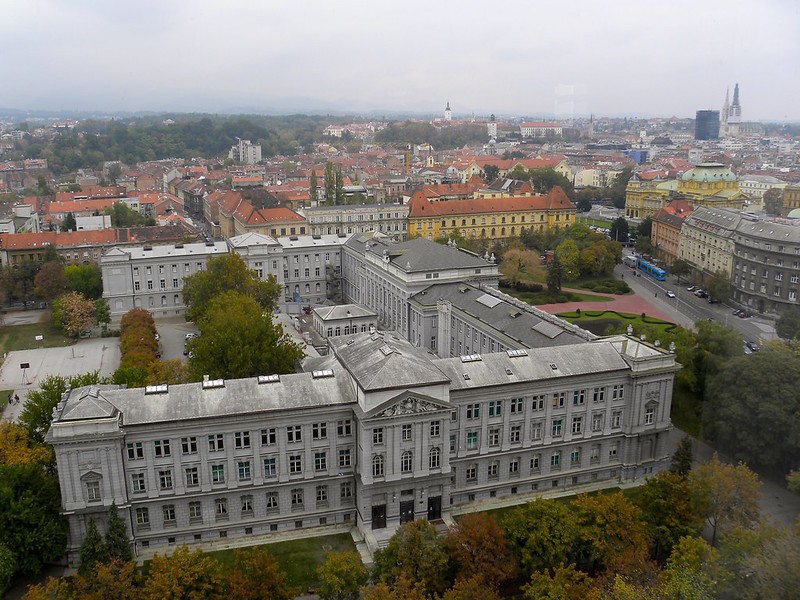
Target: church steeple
448, 114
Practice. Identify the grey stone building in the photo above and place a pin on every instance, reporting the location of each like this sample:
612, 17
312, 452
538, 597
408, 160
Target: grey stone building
390, 219
373, 435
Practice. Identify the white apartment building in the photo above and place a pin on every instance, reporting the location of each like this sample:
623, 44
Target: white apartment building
245, 152
389, 219
375, 434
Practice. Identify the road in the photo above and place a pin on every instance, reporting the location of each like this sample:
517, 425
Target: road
686, 308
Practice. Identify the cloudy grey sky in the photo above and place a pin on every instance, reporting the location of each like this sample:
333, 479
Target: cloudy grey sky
662, 57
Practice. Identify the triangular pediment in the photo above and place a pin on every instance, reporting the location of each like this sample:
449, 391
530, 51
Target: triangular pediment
408, 403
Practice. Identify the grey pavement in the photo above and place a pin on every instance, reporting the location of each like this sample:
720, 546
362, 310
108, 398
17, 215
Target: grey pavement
96, 354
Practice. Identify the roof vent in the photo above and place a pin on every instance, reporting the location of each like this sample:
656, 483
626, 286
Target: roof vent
554, 366
268, 379
146, 248
466, 376
149, 390
517, 353
209, 384
210, 244
509, 372
387, 349
514, 313
463, 289
322, 373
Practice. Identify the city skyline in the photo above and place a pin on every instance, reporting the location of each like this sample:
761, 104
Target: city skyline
645, 59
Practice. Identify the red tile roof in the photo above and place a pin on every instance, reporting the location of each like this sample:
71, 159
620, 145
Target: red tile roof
421, 207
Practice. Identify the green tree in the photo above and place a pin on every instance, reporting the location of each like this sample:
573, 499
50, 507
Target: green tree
30, 522
124, 216
555, 276
329, 183
256, 575
85, 279
184, 576
788, 324
74, 313
117, 543
342, 576
680, 268
645, 228
313, 193
37, 414
479, 548
102, 312
682, 457
719, 286
93, 549
755, 420
619, 230
471, 588
543, 534
490, 173
716, 345
584, 205
725, 495
565, 583
773, 569
7, 567
569, 255
643, 245
240, 340
416, 553
226, 273
114, 171
694, 571
338, 182
667, 511
50, 282
773, 201
793, 481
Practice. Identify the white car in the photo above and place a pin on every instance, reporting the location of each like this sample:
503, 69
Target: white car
670, 294
190, 336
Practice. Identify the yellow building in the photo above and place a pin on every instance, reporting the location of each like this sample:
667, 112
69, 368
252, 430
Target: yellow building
791, 199
497, 218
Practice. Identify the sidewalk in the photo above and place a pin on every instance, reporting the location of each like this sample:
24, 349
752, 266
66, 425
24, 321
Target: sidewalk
629, 303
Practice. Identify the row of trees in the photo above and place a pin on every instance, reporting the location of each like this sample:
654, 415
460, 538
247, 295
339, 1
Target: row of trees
441, 138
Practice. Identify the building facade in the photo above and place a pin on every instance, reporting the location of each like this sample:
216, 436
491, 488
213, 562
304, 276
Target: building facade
376, 434
706, 125
707, 240
391, 219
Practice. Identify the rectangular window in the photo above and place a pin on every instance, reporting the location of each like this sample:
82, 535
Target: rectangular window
559, 399
322, 494
319, 431
494, 437
452, 442
536, 430
165, 480
137, 479
495, 408
516, 406
216, 442
195, 510
243, 468
616, 420
472, 440
241, 439
135, 451
618, 392
142, 516
344, 458
612, 452
272, 501
649, 415
575, 456
377, 436
555, 459
295, 464
320, 461
247, 504
597, 421
344, 428
405, 433
93, 491
538, 402
599, 394
435, 428
221, 506
513, 466
217, 473
169, 513
491, 470
578, 397
346, 490
189, 445
473, 411
161, 448
192, 477
297, 497
556, 428
269, 437
294, 433
472, 472
535, 462
515, 434
577, 424
270, 467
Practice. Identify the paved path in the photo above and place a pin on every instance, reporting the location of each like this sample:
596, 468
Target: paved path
631, 303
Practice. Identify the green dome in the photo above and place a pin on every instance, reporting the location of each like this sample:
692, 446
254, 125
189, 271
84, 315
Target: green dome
794, 214
709, 172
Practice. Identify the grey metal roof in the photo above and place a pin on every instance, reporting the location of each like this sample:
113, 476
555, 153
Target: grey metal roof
539, 364
418, 254
385, 361
343, 311
528, 325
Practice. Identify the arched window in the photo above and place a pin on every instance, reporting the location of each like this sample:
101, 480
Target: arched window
406, 461
434, 458
377, 466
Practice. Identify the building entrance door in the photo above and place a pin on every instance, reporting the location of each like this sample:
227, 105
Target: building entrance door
434, 508
379, 516
406, 511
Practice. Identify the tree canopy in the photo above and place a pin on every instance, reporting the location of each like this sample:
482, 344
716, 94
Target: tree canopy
788, 324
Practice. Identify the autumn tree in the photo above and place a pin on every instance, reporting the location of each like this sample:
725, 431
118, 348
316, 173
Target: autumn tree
74, 313
416, 553
111, 580
256, 575
694, 570
172, 372
543, 534
725, 495
516, 262
50, 282
667, 512
773, 201
226, 273
569, 255
478, 547
471, 588
93, 549
565, 583
184, 576
16, 447
772, 569
403, 588
611, 527
342, 576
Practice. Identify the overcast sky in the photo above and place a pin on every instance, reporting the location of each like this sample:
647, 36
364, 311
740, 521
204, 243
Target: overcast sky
618, 57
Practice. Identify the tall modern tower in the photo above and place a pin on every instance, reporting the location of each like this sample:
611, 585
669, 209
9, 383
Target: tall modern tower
706, 125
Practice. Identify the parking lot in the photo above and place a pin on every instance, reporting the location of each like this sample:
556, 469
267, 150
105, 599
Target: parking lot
172, 331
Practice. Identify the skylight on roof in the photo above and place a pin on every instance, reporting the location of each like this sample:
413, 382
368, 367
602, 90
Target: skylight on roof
268, 378
322, 373
213, 383
156, 389
471, 358
517, 353
488, 300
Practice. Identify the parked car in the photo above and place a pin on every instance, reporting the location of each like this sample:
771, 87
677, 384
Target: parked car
191, 335
701, 293
752, 346
691, 288
713, 300
670, 294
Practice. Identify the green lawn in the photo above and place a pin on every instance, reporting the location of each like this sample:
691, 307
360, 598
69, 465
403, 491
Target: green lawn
300, 558
596, 222
537, 298
23, 337
599, 321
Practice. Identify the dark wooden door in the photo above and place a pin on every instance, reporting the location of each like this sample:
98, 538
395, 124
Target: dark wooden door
406, 511
379, 516
434, 508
